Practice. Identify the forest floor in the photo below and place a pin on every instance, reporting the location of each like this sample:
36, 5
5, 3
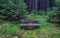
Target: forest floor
46, 30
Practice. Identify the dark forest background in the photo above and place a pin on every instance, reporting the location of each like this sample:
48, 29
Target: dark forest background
17, 9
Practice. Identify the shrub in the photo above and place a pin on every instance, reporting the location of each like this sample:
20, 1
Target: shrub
11, 9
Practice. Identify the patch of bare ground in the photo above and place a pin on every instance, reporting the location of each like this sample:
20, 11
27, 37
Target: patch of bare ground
24, 35
27, 34
42, 35
5, 23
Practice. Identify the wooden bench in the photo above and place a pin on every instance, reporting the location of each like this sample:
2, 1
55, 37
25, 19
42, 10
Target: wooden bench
29, 24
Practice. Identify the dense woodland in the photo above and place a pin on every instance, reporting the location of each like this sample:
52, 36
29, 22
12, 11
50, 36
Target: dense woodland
13, 11
17, 9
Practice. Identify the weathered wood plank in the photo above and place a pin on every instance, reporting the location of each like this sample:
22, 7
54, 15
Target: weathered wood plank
30, 25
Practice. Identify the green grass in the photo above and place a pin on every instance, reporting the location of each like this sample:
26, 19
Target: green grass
47, 30
10, 29
44, 25
57, 36
13, 28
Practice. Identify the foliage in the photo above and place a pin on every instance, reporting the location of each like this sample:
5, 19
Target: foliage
38, 12
12, 9
58, 4
58, 1
57, 36
10, 29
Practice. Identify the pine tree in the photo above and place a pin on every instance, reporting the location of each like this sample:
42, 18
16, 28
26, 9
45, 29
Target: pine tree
12, 9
